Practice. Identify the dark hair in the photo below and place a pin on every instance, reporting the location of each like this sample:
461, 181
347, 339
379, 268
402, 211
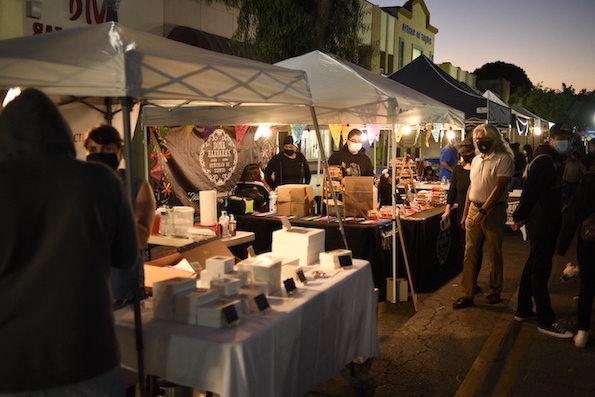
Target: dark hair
353, 132
251, 173
288, 140
104, 135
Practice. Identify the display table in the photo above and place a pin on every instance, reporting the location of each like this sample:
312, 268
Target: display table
241, 237
304, 340
364, 240
421, 234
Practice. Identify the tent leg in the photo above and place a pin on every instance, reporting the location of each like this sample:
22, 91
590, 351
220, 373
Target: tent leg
126, 108
328, 175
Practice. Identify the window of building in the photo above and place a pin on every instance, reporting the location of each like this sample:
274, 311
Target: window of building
390, 68
383, 61
309, 144
401, 59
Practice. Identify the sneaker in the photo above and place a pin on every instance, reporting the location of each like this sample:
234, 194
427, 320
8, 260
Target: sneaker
462, 303
525, 317
492, 299
555, 330
581, 338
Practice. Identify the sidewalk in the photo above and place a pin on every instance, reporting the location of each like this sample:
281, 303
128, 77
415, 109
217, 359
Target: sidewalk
478, 351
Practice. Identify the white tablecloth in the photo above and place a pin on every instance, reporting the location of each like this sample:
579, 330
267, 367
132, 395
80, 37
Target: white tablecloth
306, 339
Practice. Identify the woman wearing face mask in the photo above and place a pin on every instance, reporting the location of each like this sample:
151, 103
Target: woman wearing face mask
459, 184
352, 156
289, 166
104, 145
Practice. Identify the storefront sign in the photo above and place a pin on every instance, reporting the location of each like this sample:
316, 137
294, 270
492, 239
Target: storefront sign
409, 30
218, 157
89, 11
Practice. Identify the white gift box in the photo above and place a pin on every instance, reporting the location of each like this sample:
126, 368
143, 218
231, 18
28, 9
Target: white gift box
220, 264
193, 298
331, 259
299, 242
226, 286
211, 314
168, 288
240, 275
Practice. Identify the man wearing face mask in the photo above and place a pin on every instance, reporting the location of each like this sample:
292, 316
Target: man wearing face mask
104, 145
289, 166
540, 209
484, 215
352, 156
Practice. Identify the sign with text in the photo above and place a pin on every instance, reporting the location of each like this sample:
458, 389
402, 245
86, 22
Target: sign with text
218, 157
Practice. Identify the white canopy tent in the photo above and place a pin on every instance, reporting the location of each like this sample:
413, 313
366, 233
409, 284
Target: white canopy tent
111, 61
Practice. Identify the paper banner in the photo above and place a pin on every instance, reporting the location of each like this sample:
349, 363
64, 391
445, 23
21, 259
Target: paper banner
436, 132
208, 131
417, 134
336, 133
188, 130
240, 132
398, 134
373, 132
297, 130
156, 172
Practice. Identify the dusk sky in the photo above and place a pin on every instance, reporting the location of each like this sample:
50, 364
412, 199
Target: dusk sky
553, 41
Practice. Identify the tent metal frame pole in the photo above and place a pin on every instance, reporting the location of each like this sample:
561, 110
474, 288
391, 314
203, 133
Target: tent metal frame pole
328, 174
138, 328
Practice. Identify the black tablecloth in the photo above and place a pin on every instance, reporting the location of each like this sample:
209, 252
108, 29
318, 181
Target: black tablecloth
365, 241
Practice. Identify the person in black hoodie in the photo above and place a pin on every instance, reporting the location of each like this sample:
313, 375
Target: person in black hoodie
352, 156
581, 206
540, 209
66, 222
287, 167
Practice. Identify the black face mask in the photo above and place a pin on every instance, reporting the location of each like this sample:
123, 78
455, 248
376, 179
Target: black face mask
109, 159
289, 152
484, 146
468, 158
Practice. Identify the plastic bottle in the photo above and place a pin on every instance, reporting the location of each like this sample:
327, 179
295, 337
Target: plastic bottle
232, 225
224, 224
273, 201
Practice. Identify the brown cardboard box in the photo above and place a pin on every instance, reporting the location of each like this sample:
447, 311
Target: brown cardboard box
359, 195
295, 199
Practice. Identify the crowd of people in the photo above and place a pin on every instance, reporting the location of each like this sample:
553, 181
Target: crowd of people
558, 196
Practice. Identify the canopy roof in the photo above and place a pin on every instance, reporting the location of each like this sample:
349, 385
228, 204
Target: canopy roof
109, 60
425, 76
345, 93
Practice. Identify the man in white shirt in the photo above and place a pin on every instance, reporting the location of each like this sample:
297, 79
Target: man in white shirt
484, 216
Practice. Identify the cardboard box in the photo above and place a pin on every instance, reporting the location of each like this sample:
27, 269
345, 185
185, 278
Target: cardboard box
360, 195
295, 199
200, 252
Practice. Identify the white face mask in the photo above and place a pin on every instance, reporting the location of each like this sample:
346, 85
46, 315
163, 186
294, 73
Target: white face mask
354, 147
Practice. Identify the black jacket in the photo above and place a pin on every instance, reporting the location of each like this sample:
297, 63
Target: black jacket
344, 158
282, 170
541, 201
581, 205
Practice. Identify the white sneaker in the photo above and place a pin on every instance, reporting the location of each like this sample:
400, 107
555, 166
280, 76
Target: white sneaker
555, 330
581, 338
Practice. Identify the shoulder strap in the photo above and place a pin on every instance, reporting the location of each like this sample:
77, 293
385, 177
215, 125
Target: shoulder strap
526, 172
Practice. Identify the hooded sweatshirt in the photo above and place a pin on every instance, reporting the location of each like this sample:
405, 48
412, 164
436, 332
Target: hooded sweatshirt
64, 223
344, 158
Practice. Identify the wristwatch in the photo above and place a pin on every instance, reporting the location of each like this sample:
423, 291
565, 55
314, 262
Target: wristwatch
482, 211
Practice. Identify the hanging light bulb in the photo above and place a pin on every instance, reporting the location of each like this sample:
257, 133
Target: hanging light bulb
406, 129
450, 135
263, 131
537, 131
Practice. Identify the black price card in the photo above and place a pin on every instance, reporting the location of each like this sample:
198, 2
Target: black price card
262, 303
345, 261
230, 314
301, 276
290, 286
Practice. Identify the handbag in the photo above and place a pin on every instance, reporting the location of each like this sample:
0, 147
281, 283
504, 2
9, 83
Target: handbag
587, 230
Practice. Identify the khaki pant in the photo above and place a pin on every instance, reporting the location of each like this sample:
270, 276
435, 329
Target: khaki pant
491, 231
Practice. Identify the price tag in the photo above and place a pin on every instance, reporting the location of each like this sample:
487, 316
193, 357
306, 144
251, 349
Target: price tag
262, 303
345, 261
230, 315
290, 286
302, 276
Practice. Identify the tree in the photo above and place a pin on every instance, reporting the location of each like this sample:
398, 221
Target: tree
519, 82
275, 30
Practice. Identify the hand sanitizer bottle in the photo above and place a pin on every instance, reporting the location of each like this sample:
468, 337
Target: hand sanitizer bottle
224, 223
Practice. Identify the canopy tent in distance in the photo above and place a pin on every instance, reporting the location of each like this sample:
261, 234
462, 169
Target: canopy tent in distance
425, 76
